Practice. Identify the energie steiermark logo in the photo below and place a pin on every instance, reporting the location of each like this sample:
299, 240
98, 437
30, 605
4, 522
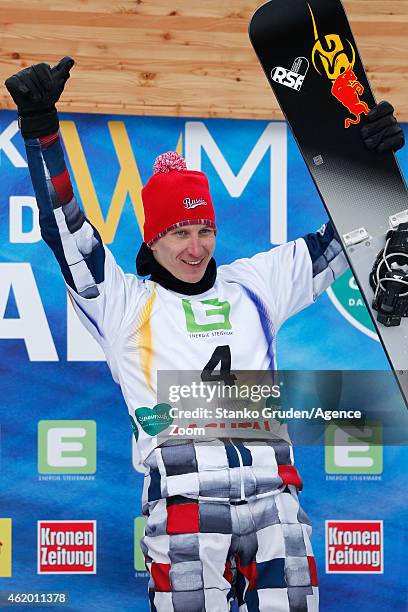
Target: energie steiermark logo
67, 447
139, 560
207, 315
353, 450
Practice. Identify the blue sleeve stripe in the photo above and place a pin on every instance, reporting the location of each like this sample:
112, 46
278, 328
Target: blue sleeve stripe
96, 261
77, 247
48, 224
324, 260
318, 243
266, 322
89, 318
323, 247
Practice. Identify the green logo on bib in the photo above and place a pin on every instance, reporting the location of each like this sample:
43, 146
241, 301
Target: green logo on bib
154, 420
207, 315
346, 296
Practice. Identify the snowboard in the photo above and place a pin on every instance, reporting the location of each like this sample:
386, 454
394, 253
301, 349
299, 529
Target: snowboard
312, 63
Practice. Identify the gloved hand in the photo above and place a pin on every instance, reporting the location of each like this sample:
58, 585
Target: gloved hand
35, 90
382, 131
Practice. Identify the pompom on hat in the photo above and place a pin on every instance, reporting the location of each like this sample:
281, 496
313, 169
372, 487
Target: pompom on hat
174, 197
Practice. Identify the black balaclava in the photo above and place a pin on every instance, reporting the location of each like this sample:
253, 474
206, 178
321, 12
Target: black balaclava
147, 264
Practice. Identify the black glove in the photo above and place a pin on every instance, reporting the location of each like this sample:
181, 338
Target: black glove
35, 90
382, 131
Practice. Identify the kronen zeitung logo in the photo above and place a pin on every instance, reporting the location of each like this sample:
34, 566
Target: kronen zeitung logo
67, 547
354, 547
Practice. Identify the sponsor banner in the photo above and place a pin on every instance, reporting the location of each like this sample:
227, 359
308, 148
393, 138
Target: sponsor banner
139, 560
109, 160
66, 547
346, 297
5, 547
52, 369
354, 449
67, 447
354, 547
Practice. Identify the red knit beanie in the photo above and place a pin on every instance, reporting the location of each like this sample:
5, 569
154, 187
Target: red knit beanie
175, 196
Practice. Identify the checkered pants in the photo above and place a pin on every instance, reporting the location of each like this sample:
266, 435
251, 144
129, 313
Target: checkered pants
201, 555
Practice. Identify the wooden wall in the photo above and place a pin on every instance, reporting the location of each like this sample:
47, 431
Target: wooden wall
180, 57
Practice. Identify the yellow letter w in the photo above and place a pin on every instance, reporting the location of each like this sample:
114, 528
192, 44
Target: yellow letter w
129, 181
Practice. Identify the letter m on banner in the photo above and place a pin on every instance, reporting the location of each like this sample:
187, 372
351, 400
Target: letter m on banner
274, 138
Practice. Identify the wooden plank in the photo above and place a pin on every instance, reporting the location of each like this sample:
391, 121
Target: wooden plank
173, 8
93, 22
177, 57
208, 8
388, 10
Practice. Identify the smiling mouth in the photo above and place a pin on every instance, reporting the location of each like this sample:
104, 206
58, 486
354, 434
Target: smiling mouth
193, 262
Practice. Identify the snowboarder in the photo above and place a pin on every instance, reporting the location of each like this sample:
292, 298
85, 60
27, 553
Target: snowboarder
224, 519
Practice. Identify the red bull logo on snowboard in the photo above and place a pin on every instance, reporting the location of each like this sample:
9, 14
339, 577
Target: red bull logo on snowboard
335, 58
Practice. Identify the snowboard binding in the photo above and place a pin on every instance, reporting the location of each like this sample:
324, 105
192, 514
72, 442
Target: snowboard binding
389, 278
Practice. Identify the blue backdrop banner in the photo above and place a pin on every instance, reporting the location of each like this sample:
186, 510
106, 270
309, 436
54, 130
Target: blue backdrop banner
55, 384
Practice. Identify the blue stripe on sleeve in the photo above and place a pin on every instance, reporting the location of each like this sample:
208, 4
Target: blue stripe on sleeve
317, 243
323, 246
62, 232
48, 224
96, 260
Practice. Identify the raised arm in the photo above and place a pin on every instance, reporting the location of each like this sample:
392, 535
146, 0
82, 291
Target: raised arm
94, 280
76, 244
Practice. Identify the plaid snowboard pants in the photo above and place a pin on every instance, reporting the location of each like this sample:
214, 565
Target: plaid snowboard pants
201, 555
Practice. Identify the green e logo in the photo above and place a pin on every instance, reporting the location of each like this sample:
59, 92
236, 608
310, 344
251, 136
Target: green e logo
207, 315
67, 447
349, 450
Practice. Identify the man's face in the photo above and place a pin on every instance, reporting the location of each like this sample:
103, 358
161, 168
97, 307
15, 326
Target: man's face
186, 251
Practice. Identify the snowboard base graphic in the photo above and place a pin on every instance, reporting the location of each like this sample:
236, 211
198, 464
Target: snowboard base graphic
311, 61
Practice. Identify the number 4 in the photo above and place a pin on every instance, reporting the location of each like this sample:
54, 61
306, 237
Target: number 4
221, 354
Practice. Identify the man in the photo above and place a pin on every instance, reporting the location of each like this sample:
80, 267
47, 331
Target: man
223, 514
